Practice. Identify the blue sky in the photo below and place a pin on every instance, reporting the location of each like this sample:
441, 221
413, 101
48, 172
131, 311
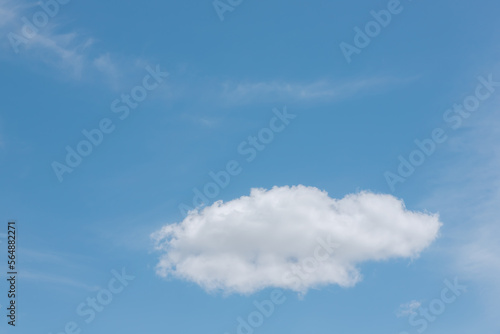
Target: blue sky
227, 80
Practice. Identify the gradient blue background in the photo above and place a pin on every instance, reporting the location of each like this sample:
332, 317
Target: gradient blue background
72, 234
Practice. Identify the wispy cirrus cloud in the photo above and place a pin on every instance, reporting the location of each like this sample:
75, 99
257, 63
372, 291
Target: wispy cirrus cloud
71, 52
7, 14
63, 51
66, 269
217, 94
467, 192
319, 90
51, 278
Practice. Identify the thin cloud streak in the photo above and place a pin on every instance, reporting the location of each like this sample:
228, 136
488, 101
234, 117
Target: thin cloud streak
57, 280
74, 54
320, 90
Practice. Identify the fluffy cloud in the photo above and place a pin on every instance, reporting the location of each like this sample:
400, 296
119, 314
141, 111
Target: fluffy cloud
295, 238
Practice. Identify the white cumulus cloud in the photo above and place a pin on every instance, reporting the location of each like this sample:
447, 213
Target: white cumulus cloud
294, 238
